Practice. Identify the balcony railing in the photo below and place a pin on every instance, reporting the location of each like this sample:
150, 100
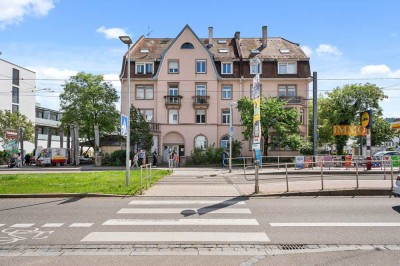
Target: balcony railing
201, 101
154, 127
292, 99
173, 101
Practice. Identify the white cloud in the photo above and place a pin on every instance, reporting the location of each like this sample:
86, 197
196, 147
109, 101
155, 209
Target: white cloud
14, 11
112, 33
53, 73
328, 50
307, 50
375, 70
114, 79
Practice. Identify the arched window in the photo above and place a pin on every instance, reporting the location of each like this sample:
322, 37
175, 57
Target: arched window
200, 141
187, 45
225, 141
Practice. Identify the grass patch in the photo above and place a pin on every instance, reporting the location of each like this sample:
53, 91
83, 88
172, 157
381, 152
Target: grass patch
104, 182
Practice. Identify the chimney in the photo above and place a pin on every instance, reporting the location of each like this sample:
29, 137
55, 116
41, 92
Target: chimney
264, 36
210, 37
237, 35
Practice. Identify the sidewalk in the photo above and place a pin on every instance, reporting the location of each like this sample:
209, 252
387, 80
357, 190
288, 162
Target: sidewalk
208, 182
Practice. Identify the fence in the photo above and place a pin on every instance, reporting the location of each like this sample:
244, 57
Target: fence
148, 175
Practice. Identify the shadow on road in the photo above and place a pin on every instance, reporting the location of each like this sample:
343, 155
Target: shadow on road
211, 208
396, 208
70, 200
30, 205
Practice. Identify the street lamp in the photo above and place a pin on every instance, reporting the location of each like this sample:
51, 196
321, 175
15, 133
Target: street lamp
128, 41
230, 133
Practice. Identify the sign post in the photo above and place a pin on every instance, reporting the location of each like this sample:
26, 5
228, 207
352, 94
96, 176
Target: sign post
124, 125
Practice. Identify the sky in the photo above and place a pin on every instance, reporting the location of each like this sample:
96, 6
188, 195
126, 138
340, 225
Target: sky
348, 41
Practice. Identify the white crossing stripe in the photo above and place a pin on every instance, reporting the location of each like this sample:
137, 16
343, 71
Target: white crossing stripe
22, 225
53, 225
81, 225
1, 225
181, 222
335, 224
185, 210
176, 237
181, 202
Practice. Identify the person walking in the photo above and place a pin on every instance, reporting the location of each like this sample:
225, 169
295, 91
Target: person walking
27, 159
224, 155
176, 159
155, 158
135, 161
19, 160
141, 157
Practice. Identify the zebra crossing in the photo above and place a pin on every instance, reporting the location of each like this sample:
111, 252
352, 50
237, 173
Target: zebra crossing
48, 225
181, 221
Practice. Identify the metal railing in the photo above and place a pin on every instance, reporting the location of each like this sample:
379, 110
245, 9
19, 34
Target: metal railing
147, 176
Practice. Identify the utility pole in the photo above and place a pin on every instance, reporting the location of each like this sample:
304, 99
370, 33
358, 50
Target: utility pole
315, 115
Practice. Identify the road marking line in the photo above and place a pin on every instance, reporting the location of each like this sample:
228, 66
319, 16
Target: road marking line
180, 202
184, 211
176, 237
22, 225
53, 225
181, 222
81, 225
2, 225
335, 224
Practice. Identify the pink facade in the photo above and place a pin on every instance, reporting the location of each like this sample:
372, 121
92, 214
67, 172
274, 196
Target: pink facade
185, 85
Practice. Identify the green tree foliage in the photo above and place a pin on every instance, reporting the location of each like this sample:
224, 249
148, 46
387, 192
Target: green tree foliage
10, 120
140, 135
88, 100
381, 131
274, 117
342, 107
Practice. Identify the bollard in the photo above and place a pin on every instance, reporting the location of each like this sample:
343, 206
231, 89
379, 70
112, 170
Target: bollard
287, 179
357, 173
322, 175
256, 188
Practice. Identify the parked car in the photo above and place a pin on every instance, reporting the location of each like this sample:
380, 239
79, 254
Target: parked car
396, 187
383, 154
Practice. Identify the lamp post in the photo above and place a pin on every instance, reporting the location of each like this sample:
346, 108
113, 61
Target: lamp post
230, 134
128, 41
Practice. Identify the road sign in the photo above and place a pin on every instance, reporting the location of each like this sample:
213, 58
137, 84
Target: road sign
11, 134
124, 125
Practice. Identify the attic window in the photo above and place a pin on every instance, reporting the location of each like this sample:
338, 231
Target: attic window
144, 50
187, 45
284, 51
221, 41
223, 50
255, 51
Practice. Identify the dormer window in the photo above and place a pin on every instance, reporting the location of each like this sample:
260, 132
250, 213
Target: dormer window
255, 51
187, 45
223, 50
144, 68
221, 41
287, 68
284, 51
144, 51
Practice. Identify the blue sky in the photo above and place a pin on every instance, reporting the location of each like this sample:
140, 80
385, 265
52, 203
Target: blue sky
348, 41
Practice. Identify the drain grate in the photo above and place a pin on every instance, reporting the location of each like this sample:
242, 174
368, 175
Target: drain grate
292, 247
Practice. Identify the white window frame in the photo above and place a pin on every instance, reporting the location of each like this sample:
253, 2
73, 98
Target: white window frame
144, 66
203, 144
148, 114
224, 142
287, 89
173, 70
173, 91
226, 115
173, 116
227, 93
201, 114
287, 67
224, 66
146, 91
201, 66
253, 69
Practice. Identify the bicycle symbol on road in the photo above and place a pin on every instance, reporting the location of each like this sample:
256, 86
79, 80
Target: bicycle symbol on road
15, 235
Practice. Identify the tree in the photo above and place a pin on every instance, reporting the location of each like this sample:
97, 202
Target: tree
343, 105
88, 100
284, 121
10, 120
381, 131
141, 136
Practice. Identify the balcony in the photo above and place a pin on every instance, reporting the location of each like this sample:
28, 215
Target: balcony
173, 101
201, 102
154, 127
293, 99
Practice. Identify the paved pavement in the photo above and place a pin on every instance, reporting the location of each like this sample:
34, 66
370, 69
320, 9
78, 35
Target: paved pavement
196, 181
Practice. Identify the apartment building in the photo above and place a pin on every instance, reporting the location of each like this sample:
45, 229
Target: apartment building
184, 85
47, 128
17, 92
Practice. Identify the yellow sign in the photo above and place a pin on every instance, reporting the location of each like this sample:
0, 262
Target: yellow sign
366, 119
256, 103
395, 125
349, 130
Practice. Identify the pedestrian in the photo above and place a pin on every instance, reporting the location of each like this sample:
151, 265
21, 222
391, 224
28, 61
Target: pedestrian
155, 158
135, 161
19, 160
27, 159
141, 157
224, 155
176, 159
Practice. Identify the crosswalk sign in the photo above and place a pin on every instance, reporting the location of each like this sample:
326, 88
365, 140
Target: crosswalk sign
124, 125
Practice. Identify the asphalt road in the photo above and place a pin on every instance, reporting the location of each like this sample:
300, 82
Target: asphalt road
323, 220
